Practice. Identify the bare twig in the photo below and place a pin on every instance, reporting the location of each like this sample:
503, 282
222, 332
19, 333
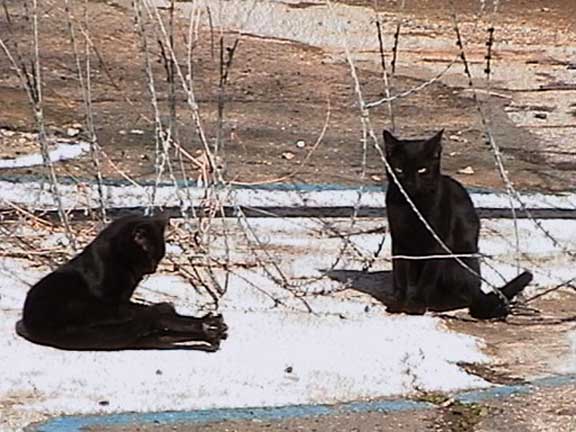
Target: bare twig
32, 82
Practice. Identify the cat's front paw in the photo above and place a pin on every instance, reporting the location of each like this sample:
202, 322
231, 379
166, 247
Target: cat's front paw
215, 329
395, 308
414, 308
395, 304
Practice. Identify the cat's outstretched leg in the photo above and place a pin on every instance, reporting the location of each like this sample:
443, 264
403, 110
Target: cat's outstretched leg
131, 326
167, 322
209, 328
208, 331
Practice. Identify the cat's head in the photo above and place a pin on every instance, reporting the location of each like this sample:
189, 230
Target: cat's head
416, 163
141, 242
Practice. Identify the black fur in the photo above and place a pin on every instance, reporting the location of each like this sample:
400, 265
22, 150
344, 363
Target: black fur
435, 284
85, 304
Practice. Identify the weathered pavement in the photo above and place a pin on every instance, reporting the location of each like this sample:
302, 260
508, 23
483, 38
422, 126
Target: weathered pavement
532, 108
546, 406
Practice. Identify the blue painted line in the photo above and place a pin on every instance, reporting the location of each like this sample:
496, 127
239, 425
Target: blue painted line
383, 406
493, 393
556, 381
77, 423
511, 390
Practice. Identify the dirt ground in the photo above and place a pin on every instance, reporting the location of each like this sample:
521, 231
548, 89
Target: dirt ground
279, 95
541, 410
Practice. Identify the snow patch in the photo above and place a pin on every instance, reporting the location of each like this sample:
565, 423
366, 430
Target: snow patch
86, 195
274, 356
62, 151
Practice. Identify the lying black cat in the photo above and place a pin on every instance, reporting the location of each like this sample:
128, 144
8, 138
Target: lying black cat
435, 284
85, 304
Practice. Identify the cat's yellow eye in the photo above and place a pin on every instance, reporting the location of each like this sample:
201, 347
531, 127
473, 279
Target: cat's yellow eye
422, 170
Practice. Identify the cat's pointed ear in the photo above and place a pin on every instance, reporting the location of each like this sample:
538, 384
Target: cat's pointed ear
437, 138
162, 219
390, 141
436, 143
388, 137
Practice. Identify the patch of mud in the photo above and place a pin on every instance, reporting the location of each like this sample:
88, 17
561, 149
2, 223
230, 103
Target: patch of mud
542, 410
531, 346
13, 416
491, 375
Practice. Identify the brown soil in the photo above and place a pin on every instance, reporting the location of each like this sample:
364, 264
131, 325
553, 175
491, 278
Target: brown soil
541, 410
550, 12
525, 346
278, 94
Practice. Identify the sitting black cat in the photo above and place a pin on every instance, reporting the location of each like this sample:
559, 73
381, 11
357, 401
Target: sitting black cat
85, 304
442, 283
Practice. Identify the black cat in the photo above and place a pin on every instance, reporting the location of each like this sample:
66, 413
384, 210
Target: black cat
435, 284
85, 304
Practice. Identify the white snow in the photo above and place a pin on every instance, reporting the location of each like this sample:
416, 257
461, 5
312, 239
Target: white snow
86, 195
365, 355
342, 352
62, 151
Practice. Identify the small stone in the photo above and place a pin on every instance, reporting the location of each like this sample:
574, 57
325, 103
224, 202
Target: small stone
376, 178
288, 155
300, 144
468, 170
458, 138
158, 372
289, 369
448, 402
541, 115
136, 131
72, 132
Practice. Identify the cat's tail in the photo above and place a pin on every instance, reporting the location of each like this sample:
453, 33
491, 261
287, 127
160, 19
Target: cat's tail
516, 285
492, 306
